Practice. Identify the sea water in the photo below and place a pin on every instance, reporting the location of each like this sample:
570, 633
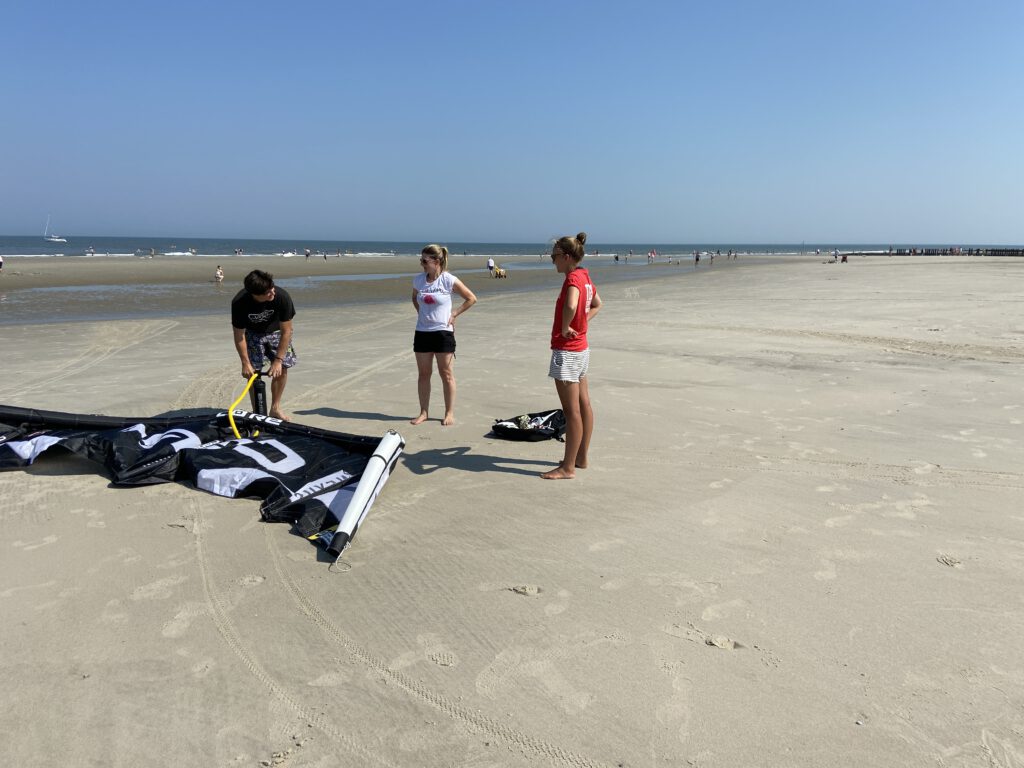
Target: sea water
224, 248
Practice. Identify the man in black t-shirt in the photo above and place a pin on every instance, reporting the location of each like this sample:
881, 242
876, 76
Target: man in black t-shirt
261, 317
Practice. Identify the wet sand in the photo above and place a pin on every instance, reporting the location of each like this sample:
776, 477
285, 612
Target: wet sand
798, 543
34, 290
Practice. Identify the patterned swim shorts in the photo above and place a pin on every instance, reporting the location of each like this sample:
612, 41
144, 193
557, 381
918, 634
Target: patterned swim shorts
263, 346
569, 366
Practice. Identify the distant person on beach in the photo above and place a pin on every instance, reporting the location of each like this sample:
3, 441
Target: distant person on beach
1, 263
218, 276
490, 265
261, 318
434, 339
578, 303
307, 254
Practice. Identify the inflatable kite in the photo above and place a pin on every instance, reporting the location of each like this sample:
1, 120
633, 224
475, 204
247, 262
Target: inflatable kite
322, 482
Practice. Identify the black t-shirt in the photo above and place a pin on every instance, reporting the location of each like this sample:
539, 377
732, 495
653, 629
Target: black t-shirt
261, 316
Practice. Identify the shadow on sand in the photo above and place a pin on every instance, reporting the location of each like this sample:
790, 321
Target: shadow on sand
425, 462
334, 413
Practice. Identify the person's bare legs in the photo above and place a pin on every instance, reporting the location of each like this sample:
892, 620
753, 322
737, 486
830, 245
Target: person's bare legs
444, 368
587, 418
276, 390
569, 396
424, 367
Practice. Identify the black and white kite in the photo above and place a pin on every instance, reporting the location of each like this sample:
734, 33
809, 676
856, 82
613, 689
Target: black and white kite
322, 482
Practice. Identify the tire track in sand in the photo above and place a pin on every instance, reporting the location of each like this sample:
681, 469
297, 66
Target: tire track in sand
213, 388
230, 635
113, 339
317, 393
417, 690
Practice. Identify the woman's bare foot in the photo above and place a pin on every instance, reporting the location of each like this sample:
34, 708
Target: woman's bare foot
277, 413
449, 419
558, 474
582, 464
419, 419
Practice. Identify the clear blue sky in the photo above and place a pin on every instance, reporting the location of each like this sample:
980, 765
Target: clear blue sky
642, 121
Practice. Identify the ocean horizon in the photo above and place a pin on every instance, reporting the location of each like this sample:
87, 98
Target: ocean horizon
84, 246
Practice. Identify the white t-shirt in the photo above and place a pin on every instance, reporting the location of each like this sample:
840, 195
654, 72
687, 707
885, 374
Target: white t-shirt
435, 300
490, 263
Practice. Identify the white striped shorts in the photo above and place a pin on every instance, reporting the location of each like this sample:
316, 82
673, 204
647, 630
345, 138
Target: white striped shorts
569, 366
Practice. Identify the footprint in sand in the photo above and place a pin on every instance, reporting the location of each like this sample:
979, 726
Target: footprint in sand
158, 590
828, 571
330, 679
722, 610
29, 546
553, 609
673, 715
699, 636
182, 620
13, 590
436, 651
831, 488
604, 546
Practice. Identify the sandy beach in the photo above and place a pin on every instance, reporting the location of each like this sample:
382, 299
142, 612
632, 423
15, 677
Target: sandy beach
799, 542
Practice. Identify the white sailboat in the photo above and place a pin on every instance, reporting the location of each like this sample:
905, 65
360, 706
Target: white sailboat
52, 238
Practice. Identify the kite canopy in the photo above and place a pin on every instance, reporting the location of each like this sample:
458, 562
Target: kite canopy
322, 482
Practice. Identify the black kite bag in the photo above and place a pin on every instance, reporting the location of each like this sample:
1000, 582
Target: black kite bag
531, 427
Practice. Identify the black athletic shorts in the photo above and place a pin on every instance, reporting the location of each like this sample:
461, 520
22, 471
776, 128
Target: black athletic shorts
434, 341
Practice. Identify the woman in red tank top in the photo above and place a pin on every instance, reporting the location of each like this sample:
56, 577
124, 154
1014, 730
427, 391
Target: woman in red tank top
578, 303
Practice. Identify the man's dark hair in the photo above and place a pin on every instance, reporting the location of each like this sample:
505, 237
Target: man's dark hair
259, 282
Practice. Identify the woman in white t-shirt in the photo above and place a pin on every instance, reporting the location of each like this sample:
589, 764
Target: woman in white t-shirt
435, 327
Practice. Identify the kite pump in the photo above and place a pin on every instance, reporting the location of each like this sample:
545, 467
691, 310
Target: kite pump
258, 396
